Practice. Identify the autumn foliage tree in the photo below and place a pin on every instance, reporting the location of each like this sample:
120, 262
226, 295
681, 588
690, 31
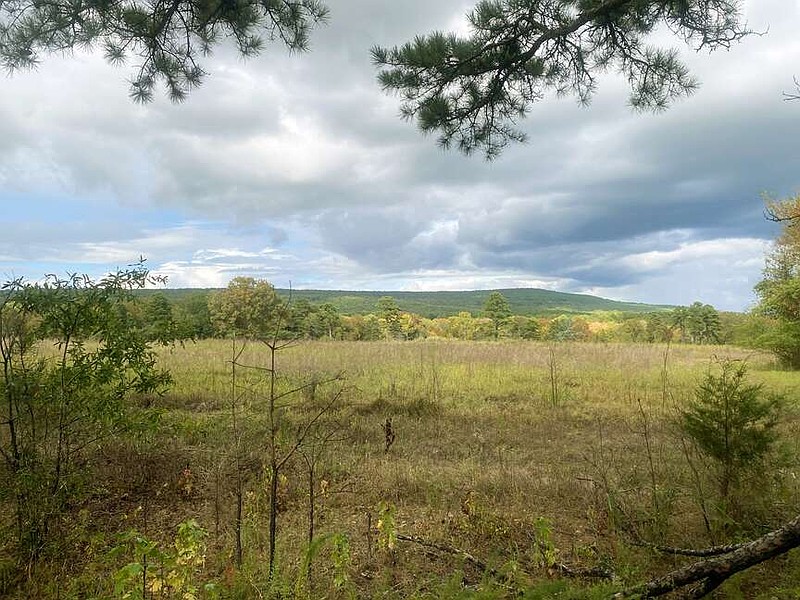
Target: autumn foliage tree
779, 291
248, 307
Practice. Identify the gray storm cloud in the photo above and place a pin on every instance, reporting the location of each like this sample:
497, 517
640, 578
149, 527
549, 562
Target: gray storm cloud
308, 146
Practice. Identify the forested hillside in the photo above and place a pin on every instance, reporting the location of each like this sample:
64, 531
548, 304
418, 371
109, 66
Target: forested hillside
523, 301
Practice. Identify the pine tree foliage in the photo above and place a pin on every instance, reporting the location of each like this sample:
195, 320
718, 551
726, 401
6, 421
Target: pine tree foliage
498, 310
166, 36
731, 421
472, 90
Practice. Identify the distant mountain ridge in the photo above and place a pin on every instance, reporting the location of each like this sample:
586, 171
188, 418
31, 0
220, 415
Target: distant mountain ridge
523, 301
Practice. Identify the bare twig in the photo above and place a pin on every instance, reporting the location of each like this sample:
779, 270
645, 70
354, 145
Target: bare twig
449, 550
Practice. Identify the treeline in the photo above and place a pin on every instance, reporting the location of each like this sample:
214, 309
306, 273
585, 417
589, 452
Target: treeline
247, 301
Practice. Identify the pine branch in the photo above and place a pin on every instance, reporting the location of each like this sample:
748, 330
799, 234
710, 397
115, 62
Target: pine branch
472, 91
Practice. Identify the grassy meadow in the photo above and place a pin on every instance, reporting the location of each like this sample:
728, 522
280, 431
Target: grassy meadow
528, 456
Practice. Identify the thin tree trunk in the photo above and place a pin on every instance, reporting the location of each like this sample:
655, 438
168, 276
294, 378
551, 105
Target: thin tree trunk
237, 458
311, 516
273, 516
274, 467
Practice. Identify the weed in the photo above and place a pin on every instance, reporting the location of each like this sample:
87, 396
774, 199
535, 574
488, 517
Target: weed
158, 572
386, 526
388, 434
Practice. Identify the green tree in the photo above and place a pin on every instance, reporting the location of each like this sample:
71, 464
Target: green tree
746, 329
166, 37
329, 319
703, 323
679, 321
527, 328
659, 328
370, 328
389, 315
731, 422
192, 318
159, 322
249, 308
560, 329
318, 321
498, 310
472, 90
300, 320
779, 291
56, 406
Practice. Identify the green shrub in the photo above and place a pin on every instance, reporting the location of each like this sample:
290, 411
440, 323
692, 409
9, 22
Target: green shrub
732, 422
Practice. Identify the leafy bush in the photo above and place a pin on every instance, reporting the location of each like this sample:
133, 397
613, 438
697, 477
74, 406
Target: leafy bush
70, 360
158, 572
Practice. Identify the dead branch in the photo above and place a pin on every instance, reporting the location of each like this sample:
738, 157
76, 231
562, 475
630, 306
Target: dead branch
793, 95
583, 572
698, 552
449, 550
561, 568
704, 576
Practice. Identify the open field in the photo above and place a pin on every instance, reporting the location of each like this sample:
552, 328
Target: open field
525, 455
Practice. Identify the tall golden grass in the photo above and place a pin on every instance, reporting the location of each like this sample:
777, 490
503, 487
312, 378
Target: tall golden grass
491, 438
485, 446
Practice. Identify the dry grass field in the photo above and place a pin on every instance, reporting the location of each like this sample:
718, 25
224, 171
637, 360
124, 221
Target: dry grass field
528, 457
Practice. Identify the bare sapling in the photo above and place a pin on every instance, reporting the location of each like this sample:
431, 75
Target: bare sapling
554, 377
278, 457
236, 353
317, 445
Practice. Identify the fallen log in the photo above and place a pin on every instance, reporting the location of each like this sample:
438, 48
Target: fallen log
704, 576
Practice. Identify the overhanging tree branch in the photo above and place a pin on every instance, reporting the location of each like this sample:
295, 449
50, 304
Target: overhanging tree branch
166, 36
793, 95
473, 90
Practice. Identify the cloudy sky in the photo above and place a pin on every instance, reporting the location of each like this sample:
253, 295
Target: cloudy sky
297, 169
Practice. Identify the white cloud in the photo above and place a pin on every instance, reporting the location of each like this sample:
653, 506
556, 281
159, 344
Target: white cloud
720, 272
297, 168
181, 274
738, 252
